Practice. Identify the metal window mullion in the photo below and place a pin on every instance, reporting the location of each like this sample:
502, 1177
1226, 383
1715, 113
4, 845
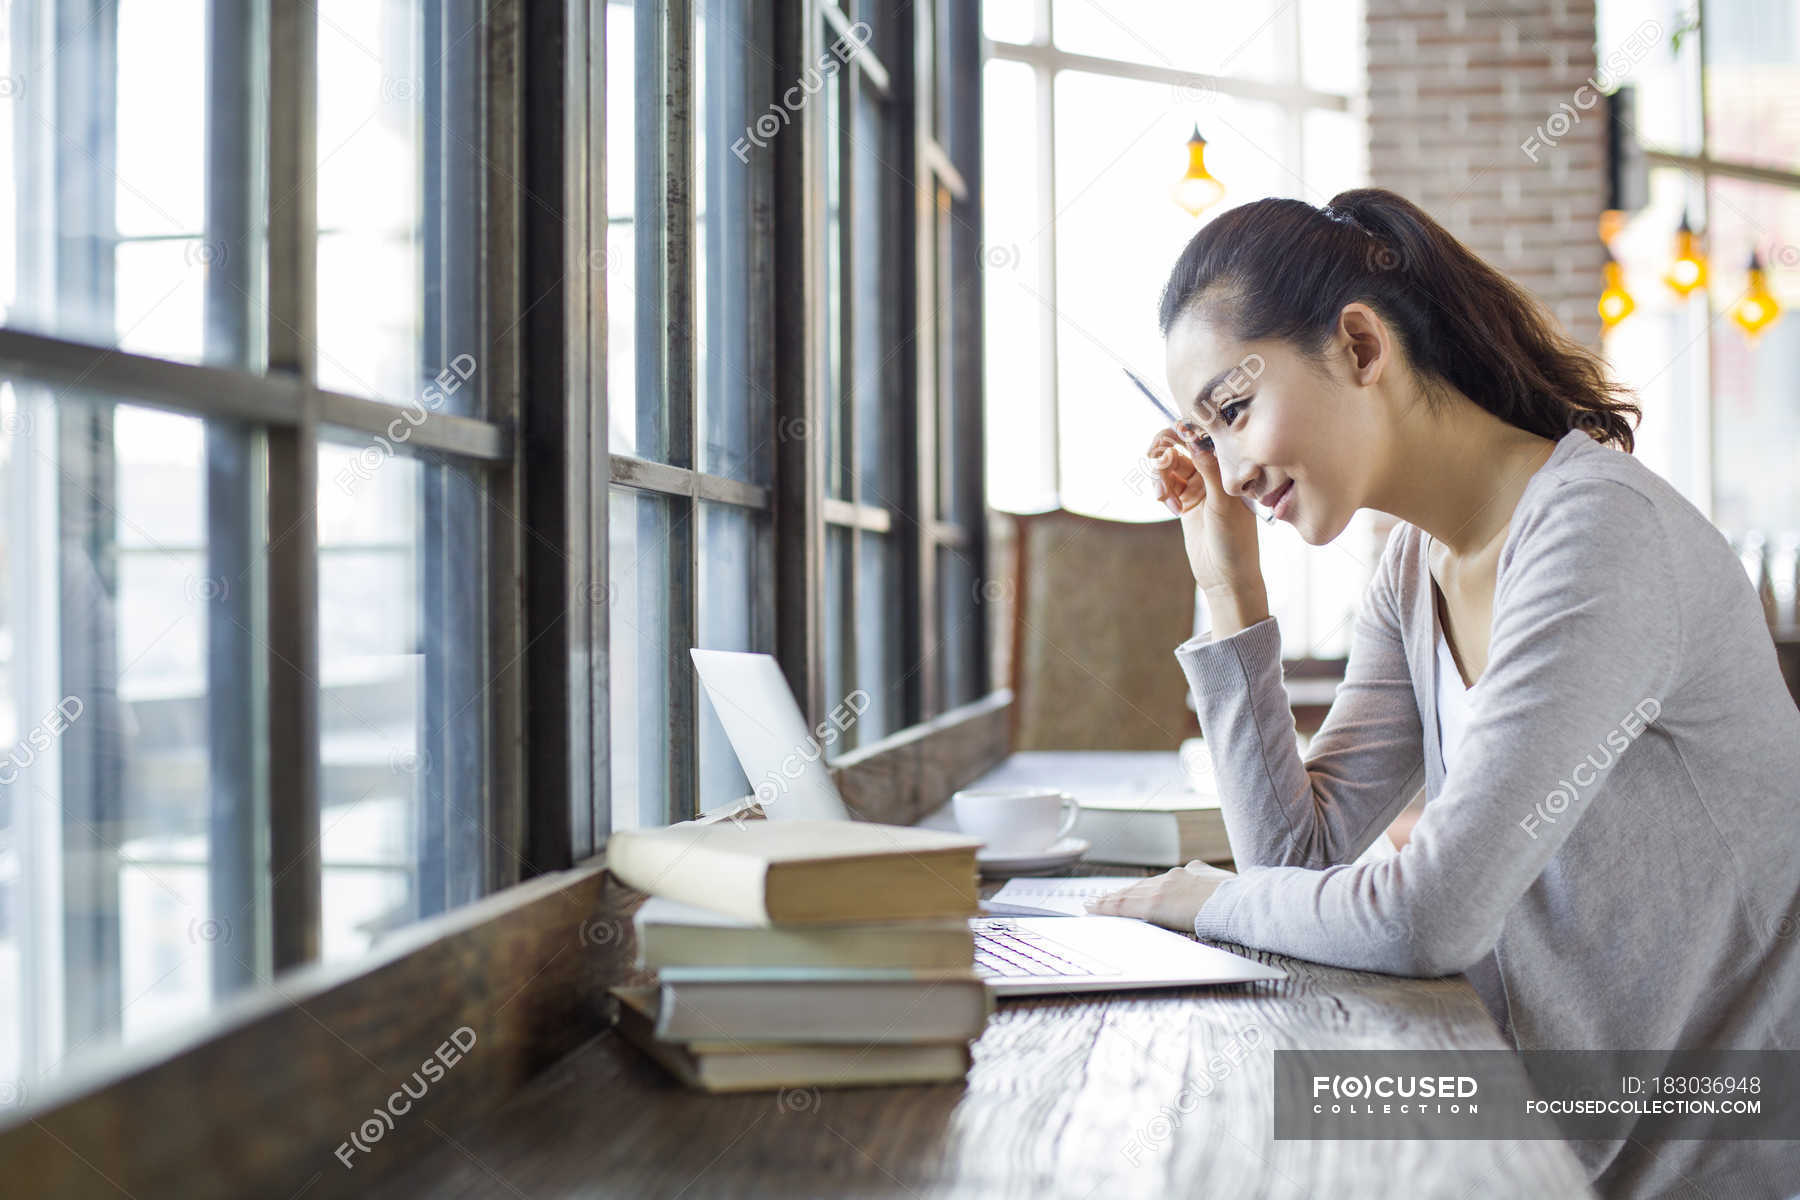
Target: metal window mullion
851, 217
760, 327
796, 269
292, 547
967, 360
1053, 59
500, 127
79, 275
682, 403
924, 449
236, 703
901, 330
452, 797
649, 476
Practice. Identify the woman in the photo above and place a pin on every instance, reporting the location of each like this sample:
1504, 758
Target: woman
1561, 647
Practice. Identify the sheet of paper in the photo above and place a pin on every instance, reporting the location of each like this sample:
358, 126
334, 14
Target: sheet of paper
1054, 897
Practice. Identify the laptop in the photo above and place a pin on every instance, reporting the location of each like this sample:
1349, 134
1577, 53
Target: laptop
1015, 955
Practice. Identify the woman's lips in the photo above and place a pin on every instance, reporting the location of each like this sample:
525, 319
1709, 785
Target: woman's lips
1284, 500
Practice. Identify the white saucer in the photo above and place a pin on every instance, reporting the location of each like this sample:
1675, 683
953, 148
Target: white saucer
1065, 853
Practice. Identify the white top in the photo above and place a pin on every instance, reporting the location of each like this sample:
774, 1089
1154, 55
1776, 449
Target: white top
1452, 703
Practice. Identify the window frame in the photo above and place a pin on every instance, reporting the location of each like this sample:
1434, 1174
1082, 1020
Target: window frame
1697, 171
277, 415
1295, 98
789, 280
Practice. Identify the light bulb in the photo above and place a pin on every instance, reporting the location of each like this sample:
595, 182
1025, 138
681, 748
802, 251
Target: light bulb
1615, 302
1197, 190
1688, 270
1757, 309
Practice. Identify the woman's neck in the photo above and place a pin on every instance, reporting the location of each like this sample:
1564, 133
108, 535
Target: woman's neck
1458, 472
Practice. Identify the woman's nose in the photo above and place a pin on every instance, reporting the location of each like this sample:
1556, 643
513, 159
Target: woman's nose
1236, 477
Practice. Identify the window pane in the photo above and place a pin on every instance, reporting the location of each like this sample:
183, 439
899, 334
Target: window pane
1009, 20
1247, 39
1336, 154
1632, 46
1660, 350
735, 585
1331, 46
400, 182
402, 693
637, 407
735, 412
880, 673
369, 205
957, 613
1752, 110
872, 368
126, 830
639, 598
1021, 432
1120, 147
838, 564
105, 234
1756, 424
832, 410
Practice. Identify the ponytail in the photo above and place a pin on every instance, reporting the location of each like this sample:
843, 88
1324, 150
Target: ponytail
1281, 268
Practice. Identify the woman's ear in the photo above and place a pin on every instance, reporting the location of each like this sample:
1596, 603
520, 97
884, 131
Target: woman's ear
1365, 336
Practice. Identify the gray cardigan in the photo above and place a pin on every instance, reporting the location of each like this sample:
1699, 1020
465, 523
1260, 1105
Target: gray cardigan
1614, 859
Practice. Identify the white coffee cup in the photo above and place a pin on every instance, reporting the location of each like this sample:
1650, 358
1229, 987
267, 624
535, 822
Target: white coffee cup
1016, 820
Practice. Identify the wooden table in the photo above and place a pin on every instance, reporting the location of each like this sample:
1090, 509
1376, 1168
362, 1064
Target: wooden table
1081, 1097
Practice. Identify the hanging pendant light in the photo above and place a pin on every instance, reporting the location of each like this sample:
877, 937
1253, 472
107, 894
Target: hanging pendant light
1197, 190
1688, 270
1615, 302
1757, 309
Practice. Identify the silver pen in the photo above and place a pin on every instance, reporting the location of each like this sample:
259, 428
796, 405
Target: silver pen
1176, 422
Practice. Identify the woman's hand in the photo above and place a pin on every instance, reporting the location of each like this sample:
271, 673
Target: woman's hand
1217, 527
1172, 899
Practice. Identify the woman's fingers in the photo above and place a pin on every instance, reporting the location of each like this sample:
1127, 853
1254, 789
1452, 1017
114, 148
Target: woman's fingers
1167, 457
1133, 901
1207, 468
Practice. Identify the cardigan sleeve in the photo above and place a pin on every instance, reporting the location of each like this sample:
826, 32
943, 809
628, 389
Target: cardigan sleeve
1362, 766
1584, 645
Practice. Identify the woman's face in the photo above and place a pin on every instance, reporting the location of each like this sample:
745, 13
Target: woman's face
1274, 418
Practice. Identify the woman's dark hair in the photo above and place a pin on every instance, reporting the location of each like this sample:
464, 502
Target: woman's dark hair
1281, 268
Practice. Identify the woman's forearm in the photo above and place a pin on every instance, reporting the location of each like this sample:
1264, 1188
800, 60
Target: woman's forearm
1236, 608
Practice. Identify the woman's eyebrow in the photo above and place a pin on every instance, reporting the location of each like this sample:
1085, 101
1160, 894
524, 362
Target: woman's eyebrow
1201, 403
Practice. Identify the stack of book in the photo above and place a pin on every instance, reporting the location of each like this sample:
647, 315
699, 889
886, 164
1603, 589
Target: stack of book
803, 953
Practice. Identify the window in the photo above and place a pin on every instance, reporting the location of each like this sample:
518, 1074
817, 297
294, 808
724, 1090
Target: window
1088, 109
1719, 418
250, 430
386, 408
832, 212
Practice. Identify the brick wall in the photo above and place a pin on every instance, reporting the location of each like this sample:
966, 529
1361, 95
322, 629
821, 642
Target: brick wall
1454, 89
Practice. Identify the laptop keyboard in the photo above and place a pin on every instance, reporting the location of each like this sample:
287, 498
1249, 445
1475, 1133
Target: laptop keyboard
1004, 951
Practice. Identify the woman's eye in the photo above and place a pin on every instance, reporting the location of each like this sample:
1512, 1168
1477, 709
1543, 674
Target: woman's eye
1227, 414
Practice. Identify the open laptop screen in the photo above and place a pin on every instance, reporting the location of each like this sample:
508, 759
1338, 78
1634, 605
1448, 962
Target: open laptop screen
782, 758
